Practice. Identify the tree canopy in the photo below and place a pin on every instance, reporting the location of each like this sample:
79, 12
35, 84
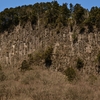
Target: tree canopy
50, 14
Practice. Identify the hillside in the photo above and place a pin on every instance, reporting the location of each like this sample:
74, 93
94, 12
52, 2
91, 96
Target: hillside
50, 51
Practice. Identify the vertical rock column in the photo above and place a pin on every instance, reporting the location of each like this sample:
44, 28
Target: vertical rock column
71, 41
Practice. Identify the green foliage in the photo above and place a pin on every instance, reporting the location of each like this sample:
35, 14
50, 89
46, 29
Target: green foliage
70, 73
79, 13
71, 8
94, 18
37, 58
51, 15
47, 56
24, 66
79, 64
64, 14
41, 55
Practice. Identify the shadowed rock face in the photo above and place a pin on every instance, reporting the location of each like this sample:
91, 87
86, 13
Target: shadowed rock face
15, 46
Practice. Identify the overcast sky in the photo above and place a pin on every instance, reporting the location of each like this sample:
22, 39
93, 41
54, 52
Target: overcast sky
13, 3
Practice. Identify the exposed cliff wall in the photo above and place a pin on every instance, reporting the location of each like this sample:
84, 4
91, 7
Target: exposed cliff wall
16, 45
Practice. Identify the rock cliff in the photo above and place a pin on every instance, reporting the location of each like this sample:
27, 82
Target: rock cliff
16, 45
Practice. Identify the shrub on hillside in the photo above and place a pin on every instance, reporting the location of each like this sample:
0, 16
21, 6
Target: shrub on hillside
47, 56
41, 55
24, 66
70, 73
36, 57
79, 64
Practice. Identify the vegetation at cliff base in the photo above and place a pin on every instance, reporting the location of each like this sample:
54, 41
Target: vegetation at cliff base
70, 73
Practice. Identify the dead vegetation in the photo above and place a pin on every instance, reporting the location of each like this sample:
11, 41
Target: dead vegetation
45, 84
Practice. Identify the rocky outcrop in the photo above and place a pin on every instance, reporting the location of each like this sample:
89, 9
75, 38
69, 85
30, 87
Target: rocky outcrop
16, 45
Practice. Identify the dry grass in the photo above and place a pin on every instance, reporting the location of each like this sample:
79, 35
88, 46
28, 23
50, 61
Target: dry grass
44, 84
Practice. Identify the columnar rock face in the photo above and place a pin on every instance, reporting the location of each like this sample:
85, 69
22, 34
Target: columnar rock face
15, 46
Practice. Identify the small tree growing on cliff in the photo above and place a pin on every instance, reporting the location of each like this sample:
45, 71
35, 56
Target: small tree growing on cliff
47, 56
70, 73
79, 64
24, 66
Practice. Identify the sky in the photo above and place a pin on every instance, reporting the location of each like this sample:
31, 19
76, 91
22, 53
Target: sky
14, 3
